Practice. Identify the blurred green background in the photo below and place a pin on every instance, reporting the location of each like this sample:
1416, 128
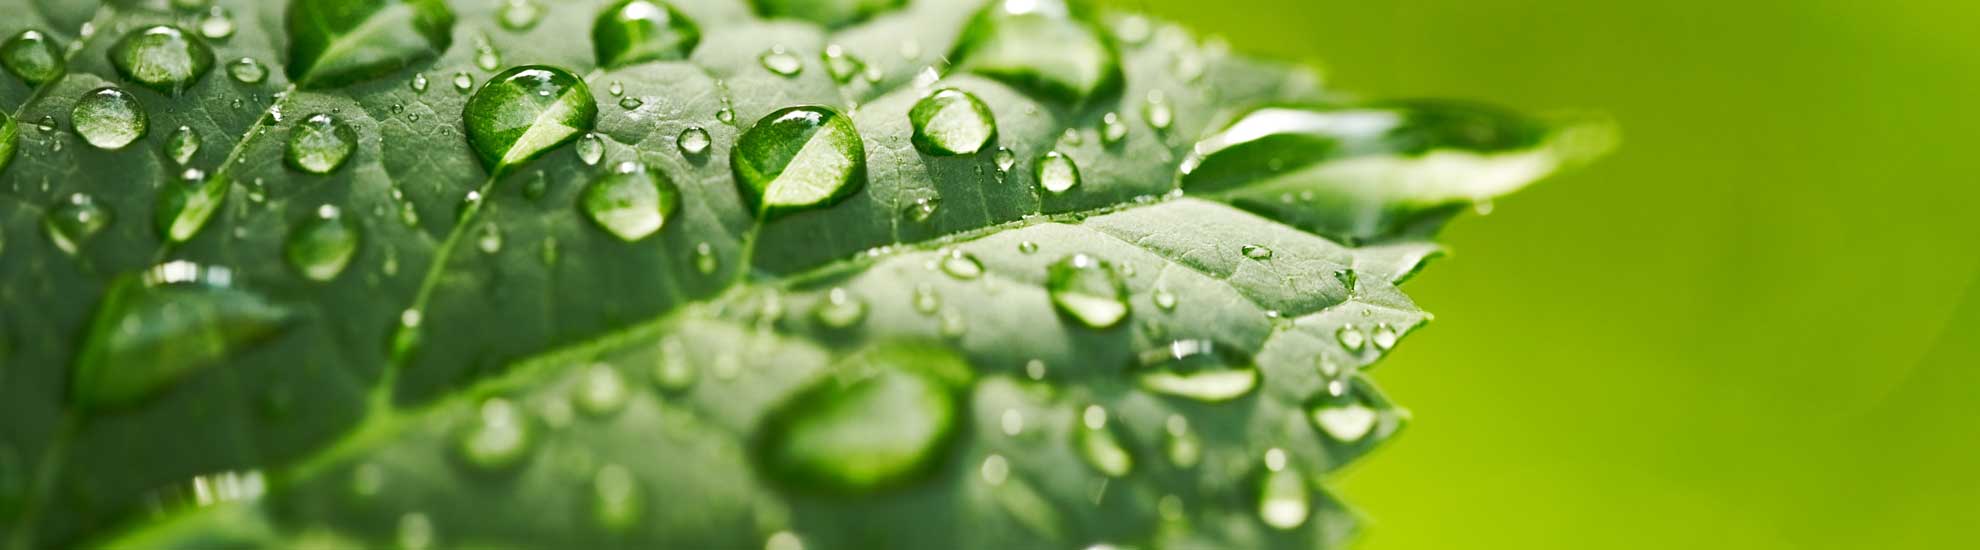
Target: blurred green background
1757, 325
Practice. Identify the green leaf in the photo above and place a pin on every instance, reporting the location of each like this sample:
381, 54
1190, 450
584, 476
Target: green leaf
844, 299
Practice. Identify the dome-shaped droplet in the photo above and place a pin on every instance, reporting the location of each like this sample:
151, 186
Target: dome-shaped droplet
162, 58
72, 222
1384, 337
1347, 417
693, 141
631, 203
798, 158
601, 391
962, 265
109, 118
155, 328
925, 300
338, 42
952, 122
841, 65
840, 309
520, 15
463, 82
320, 144
497, 438
1256, 252
1056, 172
418, 83
886, 425
182, 145
1157, 112
1351, 338
781, 62
527, 111
33, 57
1046, 47
1197, 369
323, 244
247, 70
637, 31
1163, 299
1284, 501
617, 501
184, 206
1088, 290
1098, 446
830, 13
217, 24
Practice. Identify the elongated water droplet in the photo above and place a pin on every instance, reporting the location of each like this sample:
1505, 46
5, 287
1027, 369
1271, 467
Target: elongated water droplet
1056, 172
637, 31
1086, 289
162, 58
527, 111
1045, 47
630, 203
323, 245
1283, 498
71, 223
841, 65
33, 57
952, 122
1256, 252
840, 309
109, 118
182, 145
886, 426
962, 265
693, 141
1346, 417
157, 327
247, 70
185, 206
9, 137
418, 83
590, 149
1098, 445
1197, 369
497, 439
782, 62
798, 158
320, 144
337, 42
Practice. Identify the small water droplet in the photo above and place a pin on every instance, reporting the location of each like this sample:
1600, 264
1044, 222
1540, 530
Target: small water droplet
590, 149
923, 208
1112, 130
1256, 252
995, 469
247, 70
630, 103
217, 24
463, 82
33, 57
962, 265
415, 531
631, 203
674, 372
840, 309
520, 15
783, 540
486, 57
182, 145
320, 144
1034, 369
1348, 279
601, 391
1384, 337
418, 83
1283, 500
616, 498
704, 259
926, 300
74, 221
1027, 247
490, 240
1163, 299
616, 89
1012, 422
1005, 159
1351, 338
782, 62
693, 141
1156, 111
162, 58
322, 245
725, 115
1056, 172
842, 66
1087, 290
1099, 447
1197, 369
496, 439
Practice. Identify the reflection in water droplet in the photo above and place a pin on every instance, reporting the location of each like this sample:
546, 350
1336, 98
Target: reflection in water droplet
1112, 130
519, 15
1087, 290
631, 203
1384, 337
693, 141
962, 265
1197, 369
320, 144
247, 70
162, 58
109, 118
1056, 172
590, 149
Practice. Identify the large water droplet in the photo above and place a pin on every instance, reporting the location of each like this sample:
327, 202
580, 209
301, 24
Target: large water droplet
1098, 445
798, 158
155, 328
109, 118
1046, 47
885, 423
952, 122
338, 42
497, 438
1056, 172
1198, 369
840, 309
1284, 501
1086, 289
74, 221
162, 58
527, 111
322, 245
320, 144
33, 57
830, 13
637, 31
631, 203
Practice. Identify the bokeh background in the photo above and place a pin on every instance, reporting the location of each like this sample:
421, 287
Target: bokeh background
1755, 326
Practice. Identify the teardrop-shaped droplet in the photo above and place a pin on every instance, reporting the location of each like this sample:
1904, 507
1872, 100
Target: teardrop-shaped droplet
617, 501
162, 58
320, 144
590, 149
884, 426
1086, 289
798, 158
71, 223
519, 15
830, 13
1098, 445
247, 70
1197, 369
840, 309
155, 328
962, 265
323, 245
337, 42
693, 141
33, 57
1056, 172
182, 145
631, 203
601, 391
1045, 47
1284, 501
497, 438
109, 118
841, 65
185, 206
527, 111
637, 31
952, 122
781, 62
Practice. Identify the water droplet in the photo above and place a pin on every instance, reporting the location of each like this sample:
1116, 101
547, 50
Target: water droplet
247, 70
1157, 112
674, 372
590, 149
951, 122
798, 158
601, 391
616, 89
109, 118
1348, 279
415, 531
182, 145
33, 57
1098, 445
527, 111
1345, 417
217, 24
840, 309
951, 324
1164, 299
323, 245
631, 103
616, 498
1034, 369
693, 141
162, 58
1045, 47
1384, 337
185, 206
1027, 247
857, 434
726, 115
1012, 422
463, 82
961, 265
490, 240
842, 66
704, 259
1283, 498
519, 15
923, 208
783, 540
418, 83
1112, 130
637, 31
486, 57
1005, 159
1056, 172
154, 328
320, 144
781, 61
71, 223
995, 470
1184, 448
1197, 369
630, 203
1085, 289
1351, 338
497, 439
1256, 252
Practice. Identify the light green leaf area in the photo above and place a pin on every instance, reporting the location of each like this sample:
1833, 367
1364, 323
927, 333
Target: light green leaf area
382, 293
